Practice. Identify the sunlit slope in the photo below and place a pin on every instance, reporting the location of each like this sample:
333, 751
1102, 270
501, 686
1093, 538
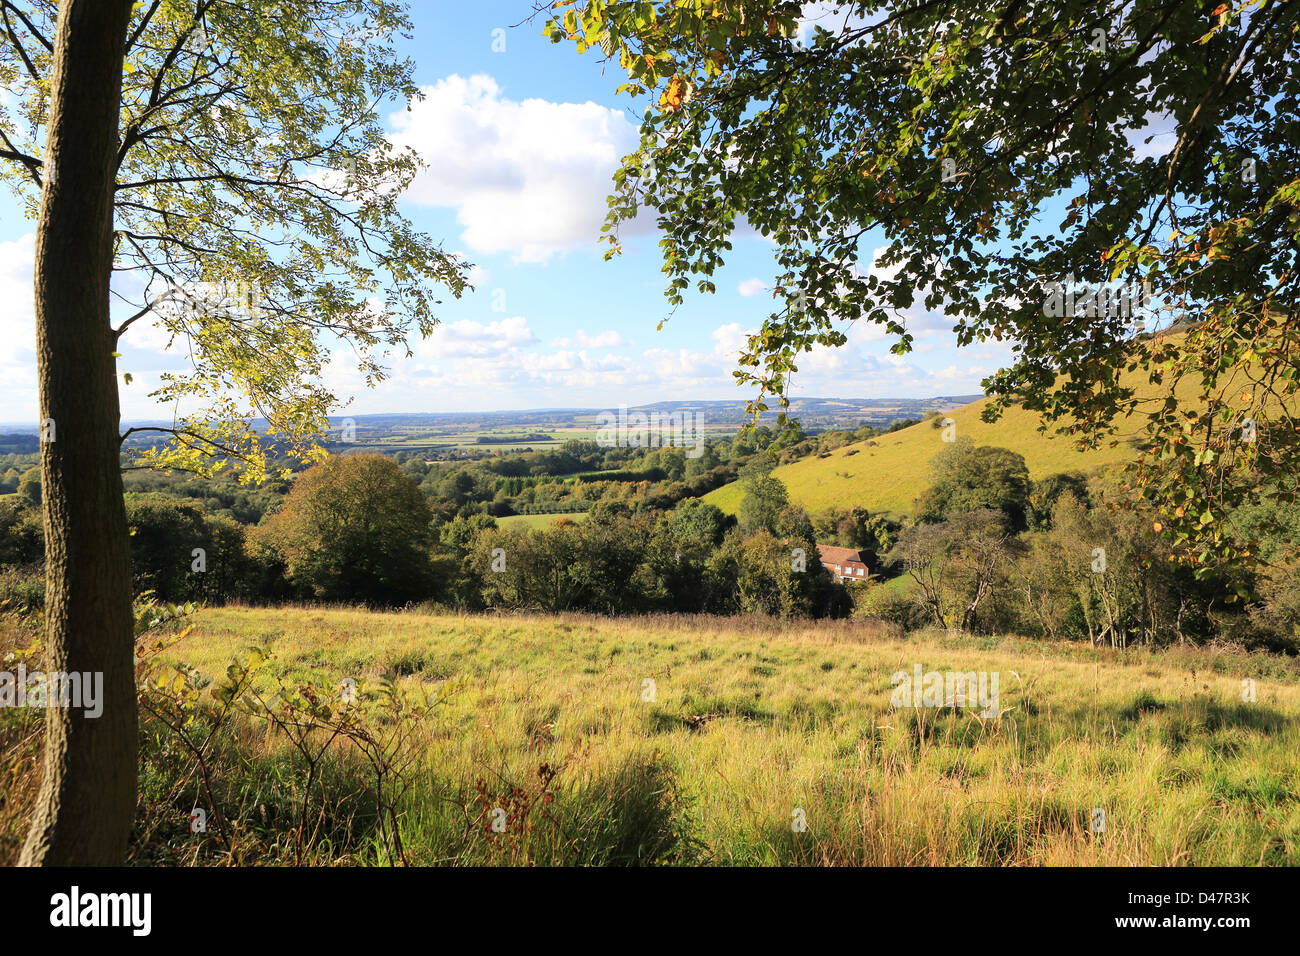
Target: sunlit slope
728, 496
888, 473
539, 521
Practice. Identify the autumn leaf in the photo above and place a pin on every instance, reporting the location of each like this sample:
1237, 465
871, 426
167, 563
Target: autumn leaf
674, 96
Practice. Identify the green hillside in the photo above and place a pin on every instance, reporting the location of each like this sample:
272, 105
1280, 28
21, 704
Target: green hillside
539, 521
889, 472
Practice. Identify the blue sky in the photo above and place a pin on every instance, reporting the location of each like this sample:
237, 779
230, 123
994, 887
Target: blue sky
520, 145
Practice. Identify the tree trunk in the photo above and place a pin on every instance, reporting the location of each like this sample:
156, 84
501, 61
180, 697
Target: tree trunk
86, 806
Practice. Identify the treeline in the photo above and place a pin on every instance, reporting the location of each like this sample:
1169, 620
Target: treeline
510, 439
570, 479
178, 551
796, 444
356, 528
988, 550
1068, 557
16, 443
580, 474
693, 559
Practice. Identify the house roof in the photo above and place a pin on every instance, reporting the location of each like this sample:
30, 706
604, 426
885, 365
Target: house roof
831, 554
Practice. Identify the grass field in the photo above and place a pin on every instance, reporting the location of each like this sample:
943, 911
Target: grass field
754, 725
888, 473
539, 521
504, 439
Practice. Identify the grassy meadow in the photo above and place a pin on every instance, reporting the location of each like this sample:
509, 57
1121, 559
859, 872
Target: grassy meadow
549, 723
886, 474
539, 521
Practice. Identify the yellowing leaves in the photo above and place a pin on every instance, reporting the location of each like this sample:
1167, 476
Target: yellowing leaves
678, 92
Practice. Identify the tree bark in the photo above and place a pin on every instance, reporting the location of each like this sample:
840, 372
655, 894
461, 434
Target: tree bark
86, 806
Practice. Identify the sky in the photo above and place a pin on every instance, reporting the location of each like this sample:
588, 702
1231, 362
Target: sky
521, 138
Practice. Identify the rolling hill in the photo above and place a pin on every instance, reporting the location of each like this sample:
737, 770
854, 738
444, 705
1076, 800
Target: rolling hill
889, 472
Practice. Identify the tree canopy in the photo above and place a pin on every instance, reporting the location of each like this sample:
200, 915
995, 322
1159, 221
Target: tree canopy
255, 205
968, 478
1034, 169
355, 525
766, 498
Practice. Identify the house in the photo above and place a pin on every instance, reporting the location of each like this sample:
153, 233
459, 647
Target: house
844, 563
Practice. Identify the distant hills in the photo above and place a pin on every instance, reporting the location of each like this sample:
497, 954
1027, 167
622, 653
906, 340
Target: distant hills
813, 413
19, 442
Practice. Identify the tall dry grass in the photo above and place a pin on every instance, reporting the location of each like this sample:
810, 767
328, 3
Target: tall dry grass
760, 743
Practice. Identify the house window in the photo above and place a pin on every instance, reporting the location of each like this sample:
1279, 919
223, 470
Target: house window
859, 572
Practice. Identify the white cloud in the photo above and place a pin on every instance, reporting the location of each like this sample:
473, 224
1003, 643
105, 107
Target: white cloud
526, 177
751, 287
17, 330
1162, 131
605, 340
473, 339
17, 310
148, 334
916, 318
819, 14
474, 366
835, 16
730, 340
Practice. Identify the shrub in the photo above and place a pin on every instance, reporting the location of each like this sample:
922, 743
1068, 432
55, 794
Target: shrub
21, 591
182, 554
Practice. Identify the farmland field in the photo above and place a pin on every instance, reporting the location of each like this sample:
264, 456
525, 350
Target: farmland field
502, 439
538, 521
752, 727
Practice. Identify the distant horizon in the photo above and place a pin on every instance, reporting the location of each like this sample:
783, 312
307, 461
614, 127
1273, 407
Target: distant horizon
25, 427
521, 142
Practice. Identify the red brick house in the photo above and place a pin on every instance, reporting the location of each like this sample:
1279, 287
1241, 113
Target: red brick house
844, 563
